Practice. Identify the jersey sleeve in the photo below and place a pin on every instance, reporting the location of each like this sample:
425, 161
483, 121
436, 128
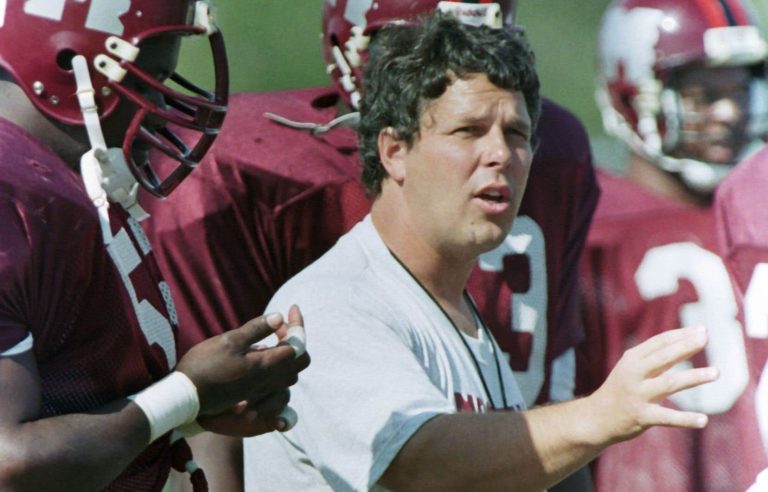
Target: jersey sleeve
15, 257
226, 248
581, 204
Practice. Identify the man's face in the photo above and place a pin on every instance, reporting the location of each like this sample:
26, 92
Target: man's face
715, 110
466, 171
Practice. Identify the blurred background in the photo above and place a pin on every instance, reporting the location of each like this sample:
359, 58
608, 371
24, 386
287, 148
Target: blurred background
275, 44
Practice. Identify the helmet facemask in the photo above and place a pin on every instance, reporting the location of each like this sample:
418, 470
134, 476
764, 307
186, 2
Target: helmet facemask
714, 114
162, 102
684, 90
128, 96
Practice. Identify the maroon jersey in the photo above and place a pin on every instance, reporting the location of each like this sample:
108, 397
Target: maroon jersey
526, 288
742, 220
269, 199
651, 264
100, 332
266, 201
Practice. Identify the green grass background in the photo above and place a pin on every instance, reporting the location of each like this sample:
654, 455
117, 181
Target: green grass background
275, 44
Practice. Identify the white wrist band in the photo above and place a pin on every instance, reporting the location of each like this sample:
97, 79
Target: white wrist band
169, 403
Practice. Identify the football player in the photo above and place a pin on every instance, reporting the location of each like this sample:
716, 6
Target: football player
741, 220
289, 173
91, 380
683, 84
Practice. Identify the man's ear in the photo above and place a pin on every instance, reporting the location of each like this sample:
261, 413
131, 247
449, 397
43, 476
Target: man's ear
392, 153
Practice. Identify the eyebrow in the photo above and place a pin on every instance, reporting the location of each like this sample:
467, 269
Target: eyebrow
516, 122
521, 124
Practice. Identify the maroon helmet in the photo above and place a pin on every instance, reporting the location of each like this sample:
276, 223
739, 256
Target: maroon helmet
349, 24
39, 38
644, 47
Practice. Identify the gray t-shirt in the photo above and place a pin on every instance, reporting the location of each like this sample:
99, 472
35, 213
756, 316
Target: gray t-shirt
385, 359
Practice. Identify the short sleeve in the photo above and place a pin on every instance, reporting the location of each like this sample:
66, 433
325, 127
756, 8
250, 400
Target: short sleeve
14, 261
364, 395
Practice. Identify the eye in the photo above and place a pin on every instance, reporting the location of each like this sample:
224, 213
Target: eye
469, 130
514, 133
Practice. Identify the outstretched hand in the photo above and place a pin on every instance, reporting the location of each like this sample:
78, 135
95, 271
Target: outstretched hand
631, 396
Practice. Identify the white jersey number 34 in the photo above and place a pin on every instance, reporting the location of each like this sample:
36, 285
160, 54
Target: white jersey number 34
659, 275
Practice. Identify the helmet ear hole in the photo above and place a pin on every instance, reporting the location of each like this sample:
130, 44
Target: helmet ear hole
64, 59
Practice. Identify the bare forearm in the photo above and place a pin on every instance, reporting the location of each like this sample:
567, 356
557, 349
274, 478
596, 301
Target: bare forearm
222, 459
501, 451
74, 451
535, 449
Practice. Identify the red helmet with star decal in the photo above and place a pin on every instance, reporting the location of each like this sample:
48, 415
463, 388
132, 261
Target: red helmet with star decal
349, 24
40, 38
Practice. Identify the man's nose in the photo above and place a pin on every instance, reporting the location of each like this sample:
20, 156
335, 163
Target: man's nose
725, 110
498, 149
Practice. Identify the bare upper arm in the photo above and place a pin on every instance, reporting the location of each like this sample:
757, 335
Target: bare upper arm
19, 389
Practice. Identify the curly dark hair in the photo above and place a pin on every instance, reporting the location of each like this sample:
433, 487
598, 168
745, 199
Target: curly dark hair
411, 65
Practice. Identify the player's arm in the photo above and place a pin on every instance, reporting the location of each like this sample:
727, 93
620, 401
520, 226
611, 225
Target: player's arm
69, 452
222, 459
85, 451
534, 449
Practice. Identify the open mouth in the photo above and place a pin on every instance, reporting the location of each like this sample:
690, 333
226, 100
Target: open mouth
494, 194
494, 200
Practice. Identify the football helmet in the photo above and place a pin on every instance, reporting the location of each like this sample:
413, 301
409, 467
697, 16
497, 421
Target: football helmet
648, 52
40, 38
349, 24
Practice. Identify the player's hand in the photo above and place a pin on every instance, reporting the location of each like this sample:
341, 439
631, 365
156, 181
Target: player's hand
629, 400
226, 370
245, 420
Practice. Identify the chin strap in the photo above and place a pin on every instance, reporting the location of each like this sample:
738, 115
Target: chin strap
349, 120
104, 171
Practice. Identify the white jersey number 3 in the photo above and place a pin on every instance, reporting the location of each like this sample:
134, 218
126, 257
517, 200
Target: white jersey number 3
529, 309
659, 275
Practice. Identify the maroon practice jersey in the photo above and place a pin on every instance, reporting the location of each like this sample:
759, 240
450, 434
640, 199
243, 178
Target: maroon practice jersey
270, 199
266, 201
651, 264
526, 289
100, 332
742, 219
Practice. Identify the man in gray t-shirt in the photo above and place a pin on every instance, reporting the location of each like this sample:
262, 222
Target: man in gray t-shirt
405, 376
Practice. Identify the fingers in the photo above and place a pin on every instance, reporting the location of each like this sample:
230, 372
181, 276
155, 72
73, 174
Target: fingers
276, 413
276, 356
273, 404
663, 339
673, 381
685, 343
249, 419
669, 417
294, 316
255, 330
295, 336
277, 368
287, 419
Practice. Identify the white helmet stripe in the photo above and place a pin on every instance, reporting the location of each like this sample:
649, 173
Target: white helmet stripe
356, 10
104, 15
48, 9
